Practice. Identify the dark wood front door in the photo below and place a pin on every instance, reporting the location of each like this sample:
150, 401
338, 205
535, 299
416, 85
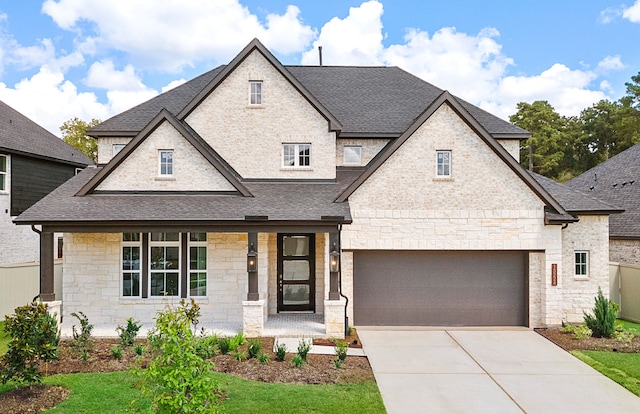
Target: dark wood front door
296, 272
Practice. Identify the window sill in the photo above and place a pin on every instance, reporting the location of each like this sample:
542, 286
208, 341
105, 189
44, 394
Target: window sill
261, 106
123, 300
296, 169
580, 278
450, 179
168, 178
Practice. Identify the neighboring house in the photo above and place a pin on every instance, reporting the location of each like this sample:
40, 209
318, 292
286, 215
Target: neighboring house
258, 188
617, 182
33, 162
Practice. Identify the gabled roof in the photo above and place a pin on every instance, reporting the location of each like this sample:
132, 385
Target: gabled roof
574, 201
446, 98
616, 182
368, 102
209, 154
20, 135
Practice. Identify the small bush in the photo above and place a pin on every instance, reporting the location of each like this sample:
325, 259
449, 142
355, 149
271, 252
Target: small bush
255, 348
116, 352
263, 358
338, 363
281, 351
603, 321
207, 346
298, 361
224, 344
582, 332
624, 336
239, 355
82, 341
341, 349
139, 350
128, 333
34, 338
303, 349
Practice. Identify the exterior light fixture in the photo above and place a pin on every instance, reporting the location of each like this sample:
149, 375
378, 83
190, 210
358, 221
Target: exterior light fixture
334, 259
252, 259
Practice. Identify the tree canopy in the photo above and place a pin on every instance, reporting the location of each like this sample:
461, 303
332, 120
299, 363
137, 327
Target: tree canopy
564, 147
74, 133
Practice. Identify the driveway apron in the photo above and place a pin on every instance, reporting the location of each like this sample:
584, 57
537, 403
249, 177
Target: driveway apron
486, 371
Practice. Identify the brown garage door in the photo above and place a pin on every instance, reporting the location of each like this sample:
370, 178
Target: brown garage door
441, 288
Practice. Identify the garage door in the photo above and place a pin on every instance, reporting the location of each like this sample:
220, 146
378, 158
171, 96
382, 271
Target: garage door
410, 288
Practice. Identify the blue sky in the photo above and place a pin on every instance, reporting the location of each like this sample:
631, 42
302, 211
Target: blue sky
95, 58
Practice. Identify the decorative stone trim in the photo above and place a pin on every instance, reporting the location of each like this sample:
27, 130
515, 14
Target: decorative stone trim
55, 310
334, 318
252, 318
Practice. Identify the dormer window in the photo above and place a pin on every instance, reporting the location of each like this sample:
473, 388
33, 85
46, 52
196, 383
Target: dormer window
353, 155
296, 155
255, 92
116, 148
166, 163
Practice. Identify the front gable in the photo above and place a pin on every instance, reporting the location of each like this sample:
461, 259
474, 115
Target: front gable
195, 167
251, 137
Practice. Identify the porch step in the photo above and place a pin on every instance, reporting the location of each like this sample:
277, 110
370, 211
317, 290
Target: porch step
292, 347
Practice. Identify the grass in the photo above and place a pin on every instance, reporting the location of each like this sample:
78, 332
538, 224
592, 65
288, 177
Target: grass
115, 393
620, 367
4, 339
630, 326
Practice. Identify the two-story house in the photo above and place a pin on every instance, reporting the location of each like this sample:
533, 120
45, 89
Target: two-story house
260, 189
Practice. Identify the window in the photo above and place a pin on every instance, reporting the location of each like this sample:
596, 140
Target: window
166, 162
116, 148
198, 264
443, 163
352, 154
296, 155
3, 172
582, 263
255, 92
60, 247
131, 246
164, 271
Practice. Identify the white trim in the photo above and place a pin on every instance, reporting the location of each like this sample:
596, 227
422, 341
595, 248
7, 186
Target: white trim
446, 162
200, 243
296, 155
259, 94
165, 244
586, 264
344, 154
172, 163
6, 174
137, 244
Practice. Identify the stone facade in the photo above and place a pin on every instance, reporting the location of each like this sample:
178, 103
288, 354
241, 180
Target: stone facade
242, 133
624, 251
140, 171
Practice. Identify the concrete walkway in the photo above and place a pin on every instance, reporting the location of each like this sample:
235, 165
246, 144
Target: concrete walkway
486, 371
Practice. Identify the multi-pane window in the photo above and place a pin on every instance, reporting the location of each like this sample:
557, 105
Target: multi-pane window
131, 247
3, 172
582, 263
116, 148
443, 162
352, 154
255, 92
296, 155
164, 271
165, 162
197, 264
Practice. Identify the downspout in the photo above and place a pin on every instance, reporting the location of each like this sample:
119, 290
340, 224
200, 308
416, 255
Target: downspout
346, 318
33, 228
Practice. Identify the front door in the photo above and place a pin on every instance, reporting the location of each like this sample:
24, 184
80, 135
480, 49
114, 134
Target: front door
296, 272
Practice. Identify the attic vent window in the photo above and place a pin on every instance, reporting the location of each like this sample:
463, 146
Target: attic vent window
255, 92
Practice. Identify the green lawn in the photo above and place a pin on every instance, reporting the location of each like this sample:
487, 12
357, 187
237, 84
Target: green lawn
620, 367
630, 326
4, 340
114, 393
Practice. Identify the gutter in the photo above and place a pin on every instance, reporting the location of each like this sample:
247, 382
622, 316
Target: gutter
346, 305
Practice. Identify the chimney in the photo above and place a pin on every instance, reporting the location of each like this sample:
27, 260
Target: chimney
320, 54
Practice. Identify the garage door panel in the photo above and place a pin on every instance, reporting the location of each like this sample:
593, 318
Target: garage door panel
440, 288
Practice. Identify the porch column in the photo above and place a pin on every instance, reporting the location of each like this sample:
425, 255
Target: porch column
253, 294
47, 292
334, 244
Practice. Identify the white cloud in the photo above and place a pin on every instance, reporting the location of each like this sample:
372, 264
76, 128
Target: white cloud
610, 63
170, 35
173, 84
632, 13
608, 15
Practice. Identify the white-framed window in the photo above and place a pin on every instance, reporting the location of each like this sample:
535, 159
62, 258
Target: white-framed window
165, 162
116, 148
296, 155
131, 264
443, 163
353, 154
4, 169
197, 264
581, 263
164, 264
255, 92
78, 170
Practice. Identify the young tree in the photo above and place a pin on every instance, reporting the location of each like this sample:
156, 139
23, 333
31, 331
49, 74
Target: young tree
74, 133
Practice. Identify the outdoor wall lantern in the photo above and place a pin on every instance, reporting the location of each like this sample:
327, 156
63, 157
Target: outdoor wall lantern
334, 259
252, 259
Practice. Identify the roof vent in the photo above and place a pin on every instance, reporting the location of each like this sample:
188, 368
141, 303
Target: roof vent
591, 188
631, 182
615, 185
320, 54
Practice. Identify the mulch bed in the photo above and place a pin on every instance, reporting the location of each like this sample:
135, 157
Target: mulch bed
568, 342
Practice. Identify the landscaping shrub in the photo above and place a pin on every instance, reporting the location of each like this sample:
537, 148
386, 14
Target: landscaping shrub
303, 349
602, 323
297, 361
341, 349
116, 352
128, 333
82, 341
263, 358
178, 379
255, 348
281, 351
34, 337
207, 346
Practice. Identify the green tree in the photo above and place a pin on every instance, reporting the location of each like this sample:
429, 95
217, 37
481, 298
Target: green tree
544, 152
633, 91
74, 133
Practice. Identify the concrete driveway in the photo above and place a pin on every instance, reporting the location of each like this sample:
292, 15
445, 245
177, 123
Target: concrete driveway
486, 371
